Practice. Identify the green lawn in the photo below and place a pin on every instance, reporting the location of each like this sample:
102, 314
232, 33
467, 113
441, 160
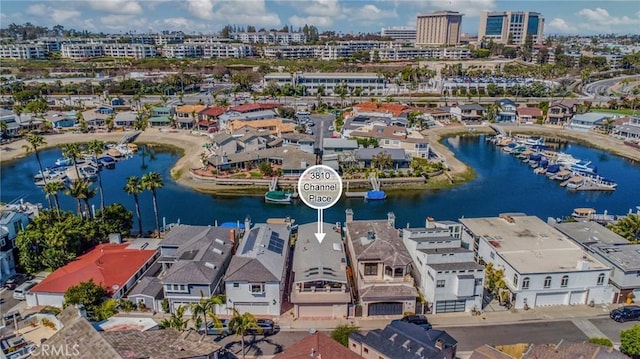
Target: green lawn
256, 174
624, 111
239, 175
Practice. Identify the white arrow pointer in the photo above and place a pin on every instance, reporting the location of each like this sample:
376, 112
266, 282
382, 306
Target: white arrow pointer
320, 235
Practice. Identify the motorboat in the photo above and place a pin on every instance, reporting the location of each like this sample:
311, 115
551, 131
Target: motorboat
277, 197
375, 195
582, 213
54, 177
575, 182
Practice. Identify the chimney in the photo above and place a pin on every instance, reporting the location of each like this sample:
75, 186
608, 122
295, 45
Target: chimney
115, 238
247, 223
391, 219
232, 238
431, 222
439, 344
349, 215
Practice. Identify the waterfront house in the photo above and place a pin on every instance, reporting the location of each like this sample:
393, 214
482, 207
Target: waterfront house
320, 286
629, 130
12, 221
586, 122
208, 118
186, 115
224, 144
256, 277
61, 119
381, 267
447, 275
79, 338
529, 114
402, 340
94, 118
9, 118
250, 140
292, 160
303, 141
116, 266
506, 110
612, 250
161, 116
125, 119
365, 157
561, 111
541, 265
316, 345
396, 137
379, 109
273, 126
469, 114
194, 260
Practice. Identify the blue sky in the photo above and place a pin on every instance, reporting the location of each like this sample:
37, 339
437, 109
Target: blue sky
208, 16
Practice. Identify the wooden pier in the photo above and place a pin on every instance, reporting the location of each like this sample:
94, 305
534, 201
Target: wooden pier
355, 194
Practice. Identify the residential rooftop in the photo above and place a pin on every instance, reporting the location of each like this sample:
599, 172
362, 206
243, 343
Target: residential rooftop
377, 240
530, 245
315, 260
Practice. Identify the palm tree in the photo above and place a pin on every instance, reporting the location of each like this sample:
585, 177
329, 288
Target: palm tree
243, 323
34, 142
628, 227
134, 188
176, 320
151, 182
164, 99
205, 307
96, 147
51, 189
3, 128
79, 191
72, 152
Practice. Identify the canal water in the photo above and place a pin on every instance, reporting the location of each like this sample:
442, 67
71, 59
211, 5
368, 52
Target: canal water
503, 184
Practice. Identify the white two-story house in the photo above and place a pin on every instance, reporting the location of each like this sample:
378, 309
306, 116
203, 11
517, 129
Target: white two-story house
381, 267
541, 265
255, 279
616, 252
12, 220
447, 274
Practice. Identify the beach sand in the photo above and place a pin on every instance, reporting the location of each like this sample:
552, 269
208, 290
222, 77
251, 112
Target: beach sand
192, 145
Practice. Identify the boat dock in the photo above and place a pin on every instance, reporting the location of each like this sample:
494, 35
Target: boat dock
355, 194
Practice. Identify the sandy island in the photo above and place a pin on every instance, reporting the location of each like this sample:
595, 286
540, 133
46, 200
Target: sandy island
192, 146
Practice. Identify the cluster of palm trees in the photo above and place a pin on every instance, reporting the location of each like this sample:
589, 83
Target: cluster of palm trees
135, 185
240, 324
82, 190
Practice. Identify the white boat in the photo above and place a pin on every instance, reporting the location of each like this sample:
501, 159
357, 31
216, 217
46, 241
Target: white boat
54, 177
88, 172
575, 182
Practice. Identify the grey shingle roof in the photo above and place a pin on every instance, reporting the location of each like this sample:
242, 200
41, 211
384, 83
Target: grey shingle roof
149, 286
397, 154
324, 257
401, 340
386, 246
160, 344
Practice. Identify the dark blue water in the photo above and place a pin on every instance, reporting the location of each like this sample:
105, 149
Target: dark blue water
503, 184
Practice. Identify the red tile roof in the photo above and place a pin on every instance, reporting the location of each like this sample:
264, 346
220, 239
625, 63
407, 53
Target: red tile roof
393, 108
529, 111
322, 346
249, 107
108, 264
214, 111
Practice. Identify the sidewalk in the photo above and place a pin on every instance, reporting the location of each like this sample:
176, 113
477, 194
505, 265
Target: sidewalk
552, 313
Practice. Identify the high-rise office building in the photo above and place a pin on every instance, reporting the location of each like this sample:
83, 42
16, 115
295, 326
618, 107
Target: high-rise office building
511, 27
438, 28
399, 33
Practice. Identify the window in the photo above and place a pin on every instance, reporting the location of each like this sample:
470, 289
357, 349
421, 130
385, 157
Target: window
478, 281
515, 280
565, 281
366, 350
177, 288
371, 269
440, 283
492, 255
2, 242
601, 279
398, 272
236, 285
525, 283
547, 282
257, 288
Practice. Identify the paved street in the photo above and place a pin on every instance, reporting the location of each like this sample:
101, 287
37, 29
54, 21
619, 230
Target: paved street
6, 301
611, 329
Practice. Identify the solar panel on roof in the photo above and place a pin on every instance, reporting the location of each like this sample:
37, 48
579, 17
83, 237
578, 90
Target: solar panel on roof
251, 241
275, 243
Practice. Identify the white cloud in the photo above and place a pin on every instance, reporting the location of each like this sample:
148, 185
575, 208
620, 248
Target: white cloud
58, 16
252, 12
601, 17
327, 13
318, 21
560, 25
124, 7
123, 22
470, 8
371, 12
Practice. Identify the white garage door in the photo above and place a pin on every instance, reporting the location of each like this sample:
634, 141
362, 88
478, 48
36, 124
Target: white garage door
320, 311
253, 308
544, 299
578, 297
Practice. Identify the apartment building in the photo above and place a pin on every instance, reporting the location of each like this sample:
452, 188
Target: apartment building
371, 83
22, 51
136, 51
400, 33
81, 51
269, 37
438, 28
223, 50
409, 53
511, 27
181, 51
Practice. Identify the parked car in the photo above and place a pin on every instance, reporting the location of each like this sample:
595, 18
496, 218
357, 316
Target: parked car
419, 320
221, 330
20, 293
330, 128
623, 314
15, 280
267, 327
309, 132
